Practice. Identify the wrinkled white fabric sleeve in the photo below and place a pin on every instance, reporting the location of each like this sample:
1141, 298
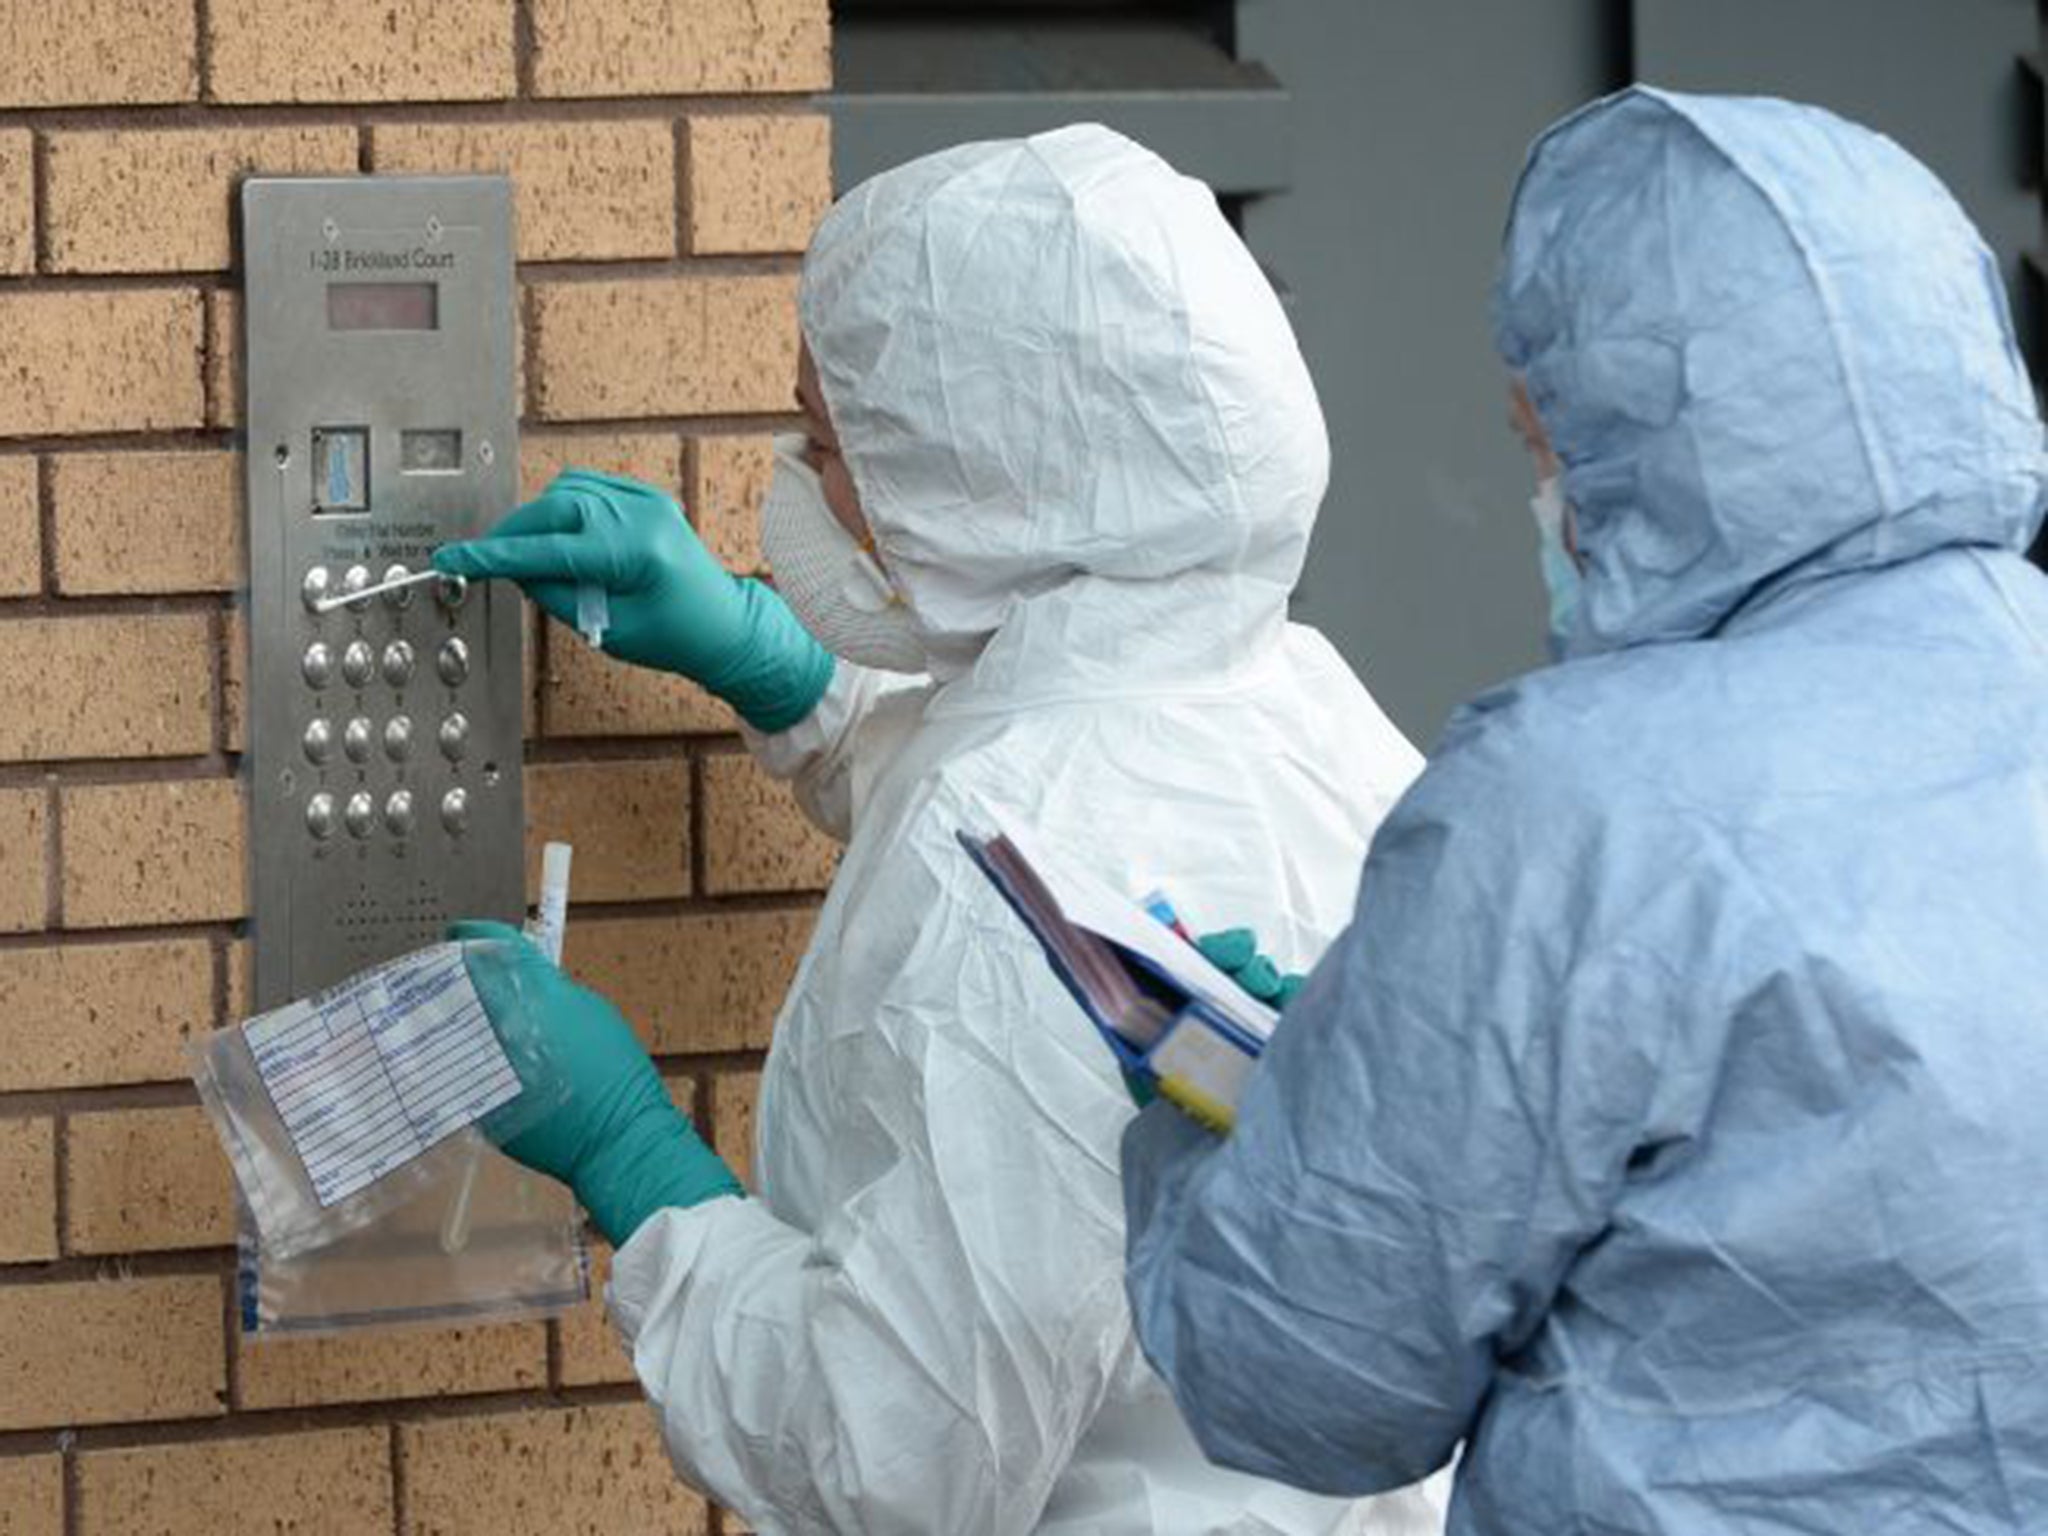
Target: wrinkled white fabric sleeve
927, 1359
815, 756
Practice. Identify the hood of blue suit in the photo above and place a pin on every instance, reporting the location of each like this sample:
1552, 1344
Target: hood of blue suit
1768, 347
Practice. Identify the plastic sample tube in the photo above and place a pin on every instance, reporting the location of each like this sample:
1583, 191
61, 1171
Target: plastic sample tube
593, 614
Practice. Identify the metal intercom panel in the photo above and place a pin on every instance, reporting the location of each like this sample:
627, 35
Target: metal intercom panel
384, 735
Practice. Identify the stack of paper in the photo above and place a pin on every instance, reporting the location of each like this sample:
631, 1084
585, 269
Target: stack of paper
1168, 1014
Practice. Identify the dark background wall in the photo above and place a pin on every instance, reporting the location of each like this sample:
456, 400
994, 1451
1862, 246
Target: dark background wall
1368, 149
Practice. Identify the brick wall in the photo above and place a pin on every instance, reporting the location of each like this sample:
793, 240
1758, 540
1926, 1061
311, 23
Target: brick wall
668, 169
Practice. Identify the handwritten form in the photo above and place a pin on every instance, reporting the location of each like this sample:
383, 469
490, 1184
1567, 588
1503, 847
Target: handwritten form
371, 1074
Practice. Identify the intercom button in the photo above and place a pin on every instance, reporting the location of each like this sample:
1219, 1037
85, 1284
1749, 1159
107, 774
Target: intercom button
455, 810
452, 592
358, 662
455, 736
320, 815
319, 741
361, 814
357, 738
355, 579
313, 588
398, 738
398, 663
453, 662
398, 813
317, 665
398, 597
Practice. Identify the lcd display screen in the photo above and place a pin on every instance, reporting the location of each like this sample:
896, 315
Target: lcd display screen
383, 307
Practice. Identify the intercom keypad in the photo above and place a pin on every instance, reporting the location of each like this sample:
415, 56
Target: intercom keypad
385, 728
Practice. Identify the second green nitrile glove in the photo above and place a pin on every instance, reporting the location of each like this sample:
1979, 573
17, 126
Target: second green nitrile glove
1235, 952
672, 605
617, 1139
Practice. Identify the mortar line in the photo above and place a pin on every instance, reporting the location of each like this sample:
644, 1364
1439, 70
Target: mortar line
141, 933
96, 1098
699, 861
258, 1422
401, 1490
99, 772
170, 280
39, 200
685, 232
202, 35
70, 1513
60, 1160
214, 114
104, 604
523, 50
53, 856
100, 1268
149, 440
46, 530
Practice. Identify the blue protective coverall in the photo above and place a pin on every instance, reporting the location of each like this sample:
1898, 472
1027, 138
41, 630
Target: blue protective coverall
1671, 1125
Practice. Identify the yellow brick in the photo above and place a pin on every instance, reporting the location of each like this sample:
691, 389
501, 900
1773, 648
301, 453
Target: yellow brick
376, 1367
729, 479
733, 1096
755, 838
153, 853
151, 693
569, 1472
586, 693
361, 50
120, 52
672, 346
587, 190
707, 982
628, 822
24, 869
79, 1015
665, 47
757, 182
21, 536
146, 1179
28, 1192
31, 1496
148, 522
123, 361
334, 1482
17, 200
234, 681
655, 457
223, 358
107, 1351
161, 200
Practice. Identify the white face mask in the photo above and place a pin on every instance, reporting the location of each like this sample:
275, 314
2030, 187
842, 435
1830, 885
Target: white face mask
837, 589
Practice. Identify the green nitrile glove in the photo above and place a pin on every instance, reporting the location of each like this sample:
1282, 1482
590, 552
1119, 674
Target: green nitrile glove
618, 1140
672, 605
1235, 952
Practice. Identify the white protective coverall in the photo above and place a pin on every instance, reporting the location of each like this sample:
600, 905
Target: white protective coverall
1091, 457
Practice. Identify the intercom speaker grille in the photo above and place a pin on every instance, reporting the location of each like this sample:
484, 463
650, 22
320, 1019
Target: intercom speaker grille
376, 924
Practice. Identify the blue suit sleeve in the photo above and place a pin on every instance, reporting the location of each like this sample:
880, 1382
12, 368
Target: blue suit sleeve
1440, 1125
